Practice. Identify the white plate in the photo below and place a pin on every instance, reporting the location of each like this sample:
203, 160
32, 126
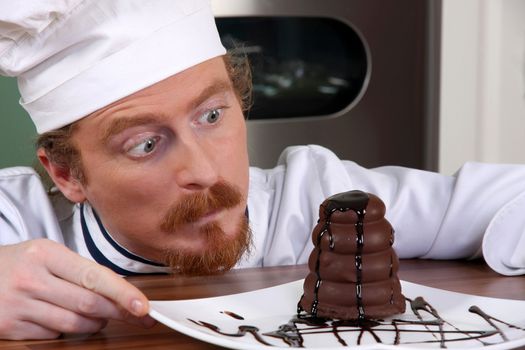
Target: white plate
269, 308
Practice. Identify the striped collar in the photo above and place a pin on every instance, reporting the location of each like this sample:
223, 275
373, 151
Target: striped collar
107, 252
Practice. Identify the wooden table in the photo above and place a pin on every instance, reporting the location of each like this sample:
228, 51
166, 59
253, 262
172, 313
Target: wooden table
472, 277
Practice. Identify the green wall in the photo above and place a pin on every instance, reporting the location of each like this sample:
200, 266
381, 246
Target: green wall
17, 133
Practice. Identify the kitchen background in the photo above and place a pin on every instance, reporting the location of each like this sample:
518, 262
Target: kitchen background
482, 98
480, 90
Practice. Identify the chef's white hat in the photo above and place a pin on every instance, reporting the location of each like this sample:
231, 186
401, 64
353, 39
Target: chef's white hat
72, 57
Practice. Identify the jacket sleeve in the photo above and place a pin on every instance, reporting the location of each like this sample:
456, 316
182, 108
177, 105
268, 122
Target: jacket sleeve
25, 210
476, 211
451, 215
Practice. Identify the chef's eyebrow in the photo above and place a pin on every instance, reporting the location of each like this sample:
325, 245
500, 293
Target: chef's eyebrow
120, 124
116, 126
216, 87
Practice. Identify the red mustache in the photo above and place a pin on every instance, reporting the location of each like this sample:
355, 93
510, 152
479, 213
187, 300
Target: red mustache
192, 207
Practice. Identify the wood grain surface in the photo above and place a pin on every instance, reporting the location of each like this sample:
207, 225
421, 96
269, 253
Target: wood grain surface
472, 277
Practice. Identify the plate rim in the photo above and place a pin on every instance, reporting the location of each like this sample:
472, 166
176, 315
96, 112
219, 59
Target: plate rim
232, 344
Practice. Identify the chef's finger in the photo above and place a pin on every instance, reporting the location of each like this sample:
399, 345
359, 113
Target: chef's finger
99, 279
60, 320
88, 303
82, 301
73, 297
24, 330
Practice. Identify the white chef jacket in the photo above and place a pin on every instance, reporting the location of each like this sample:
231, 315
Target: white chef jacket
478, 211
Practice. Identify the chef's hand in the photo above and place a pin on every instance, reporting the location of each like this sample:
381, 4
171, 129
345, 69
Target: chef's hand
46, 289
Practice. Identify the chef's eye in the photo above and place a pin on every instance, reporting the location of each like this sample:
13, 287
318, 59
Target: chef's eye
212, 116
143, 148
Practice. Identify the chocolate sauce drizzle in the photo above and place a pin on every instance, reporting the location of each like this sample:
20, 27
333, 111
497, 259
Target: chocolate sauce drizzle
242, 330
351, 200
352, 332
232, 314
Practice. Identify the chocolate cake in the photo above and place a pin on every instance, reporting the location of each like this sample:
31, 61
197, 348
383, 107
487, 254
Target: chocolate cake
353, 267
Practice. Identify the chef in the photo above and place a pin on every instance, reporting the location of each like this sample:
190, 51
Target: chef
139, 111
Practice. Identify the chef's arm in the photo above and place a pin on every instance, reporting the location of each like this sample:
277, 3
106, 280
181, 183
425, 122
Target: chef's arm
434, 215
479, 210
45, 288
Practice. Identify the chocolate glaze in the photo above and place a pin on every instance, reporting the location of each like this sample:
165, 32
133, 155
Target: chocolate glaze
353, 268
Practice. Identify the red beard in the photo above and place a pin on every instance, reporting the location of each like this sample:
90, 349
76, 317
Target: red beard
221, 251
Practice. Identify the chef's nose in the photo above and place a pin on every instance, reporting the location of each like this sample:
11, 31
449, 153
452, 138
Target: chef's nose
196, 167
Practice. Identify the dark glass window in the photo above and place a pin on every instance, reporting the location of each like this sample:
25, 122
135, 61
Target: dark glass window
301, 66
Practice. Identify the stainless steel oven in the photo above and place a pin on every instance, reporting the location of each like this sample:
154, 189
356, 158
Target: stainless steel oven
357, 76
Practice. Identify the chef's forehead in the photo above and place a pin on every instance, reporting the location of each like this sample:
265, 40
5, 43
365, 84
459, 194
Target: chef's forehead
73, 57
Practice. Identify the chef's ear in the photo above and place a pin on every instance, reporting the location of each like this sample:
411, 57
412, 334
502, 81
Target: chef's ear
63, 178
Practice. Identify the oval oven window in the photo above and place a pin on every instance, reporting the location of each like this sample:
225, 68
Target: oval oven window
301, 66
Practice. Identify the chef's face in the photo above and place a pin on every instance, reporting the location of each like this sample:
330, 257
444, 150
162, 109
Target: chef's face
167, 169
